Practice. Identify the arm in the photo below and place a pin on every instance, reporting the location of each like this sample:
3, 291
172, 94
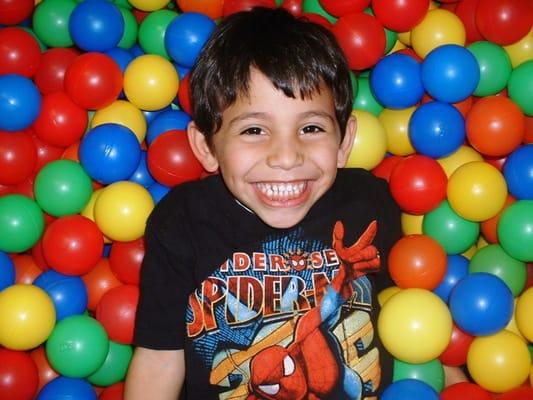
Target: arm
155, 374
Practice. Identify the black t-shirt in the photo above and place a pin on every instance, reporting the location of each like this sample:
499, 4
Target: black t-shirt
266, 313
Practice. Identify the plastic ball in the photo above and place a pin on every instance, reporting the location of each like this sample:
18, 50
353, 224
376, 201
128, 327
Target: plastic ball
395, 81
415, 325
113, 392
50, 22
233, 6
7, 271
115, 365
165, 121
464, 154
515, 230
494, 260
116, 312
495, 126
454, 233
499, 362
518, 172
98, 281
150, 82
77, 346
20, 102
481, 304
93, 80
431, 373
494, 67
362, 38
417, 261
158, 191
68, 293
51, 72
520, 87
125, 260
456, 352
418, 184
477, 191
524, 320
152, 31
45, 372
456, 269
465, 391
22, 223
110, 152
386, 166
96, 25
14, 12
370, 144
364, 97
171, 160
396, 123
19, 52
26, 269
489, 227
411, 224
387, 293
18, 375
63, 387
62, 187
338, 8
211, 8
400, 16
131, 27
504, 21
439, 27
148, 5
18, 157
436, 129
122, 209
61, 122
407, 389
521, 51
27, 317
124, 113
186, 35
142, 175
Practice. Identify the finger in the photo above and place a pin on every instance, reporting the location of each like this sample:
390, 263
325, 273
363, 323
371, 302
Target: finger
368, 235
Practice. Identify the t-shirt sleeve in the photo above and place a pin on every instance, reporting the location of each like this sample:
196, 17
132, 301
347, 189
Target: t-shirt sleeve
166, 282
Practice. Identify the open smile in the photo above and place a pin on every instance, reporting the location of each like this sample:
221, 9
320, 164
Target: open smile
283, 193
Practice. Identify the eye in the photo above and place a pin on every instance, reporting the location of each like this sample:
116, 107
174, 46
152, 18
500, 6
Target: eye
312, 129
272, 390
254, 130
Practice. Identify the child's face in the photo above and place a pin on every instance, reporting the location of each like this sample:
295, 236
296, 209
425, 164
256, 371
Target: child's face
277, 155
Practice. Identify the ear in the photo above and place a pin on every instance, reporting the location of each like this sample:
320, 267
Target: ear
201, 148
347, 142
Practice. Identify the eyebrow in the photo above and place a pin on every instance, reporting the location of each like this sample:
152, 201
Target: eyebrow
262, 115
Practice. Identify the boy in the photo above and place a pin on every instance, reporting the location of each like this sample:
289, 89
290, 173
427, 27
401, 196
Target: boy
254, 283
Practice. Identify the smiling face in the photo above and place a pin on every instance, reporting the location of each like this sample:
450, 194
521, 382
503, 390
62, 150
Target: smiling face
277, 155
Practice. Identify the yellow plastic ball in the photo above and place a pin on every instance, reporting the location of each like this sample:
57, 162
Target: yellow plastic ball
438, 27
404, 37
148, 5
121, 210
477, 191
27, 317
398, 45
124, 113
521, 51
387, 293
88, 211
411, 224
151, 82
512, 325
524, 314
461, 156
499, 362
469, 253
370, 143
396, 124
415, 325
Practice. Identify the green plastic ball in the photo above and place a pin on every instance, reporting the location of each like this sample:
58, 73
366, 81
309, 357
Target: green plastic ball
21, 223
115, 366
431, 373
515, 230
50, 22
494, 67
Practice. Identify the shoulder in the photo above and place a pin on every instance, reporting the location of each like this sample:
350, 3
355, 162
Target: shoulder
361, 183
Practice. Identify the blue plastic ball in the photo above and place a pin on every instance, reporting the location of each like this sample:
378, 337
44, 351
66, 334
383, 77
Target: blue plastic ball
450, 73
20, 102
96, 25
166, 121
409, 389
456, 269
481, 304
186, 35
149, 116
395, 81
142, 175
436, 129
63, 388
7, 271
518, 172
158, 191
68, 293
110, 153
121, 56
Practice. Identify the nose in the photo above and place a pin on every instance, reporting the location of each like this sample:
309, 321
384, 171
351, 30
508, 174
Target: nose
285, 152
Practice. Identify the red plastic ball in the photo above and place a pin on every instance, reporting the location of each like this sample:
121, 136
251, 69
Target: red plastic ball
18, 375
528, 135
418, 184
466, 11
93, 80
362, 38
171, 160
211, 8
19, 52
26, 271
45, 153
318, 19
233, 6
295, 7
417, 261
338, 8
113, 392
125, 259
72, 245
38, 256
521, 393
18, 157
116, 312
455, 354
98, 281
184, 95
386, 166
400, 15
464, 391
504, 21
45, 371
489, 227
13, 12
51, 72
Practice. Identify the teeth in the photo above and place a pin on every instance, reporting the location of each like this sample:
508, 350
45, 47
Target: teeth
281, 191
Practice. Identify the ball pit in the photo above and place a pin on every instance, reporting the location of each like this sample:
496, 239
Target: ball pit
62, 76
